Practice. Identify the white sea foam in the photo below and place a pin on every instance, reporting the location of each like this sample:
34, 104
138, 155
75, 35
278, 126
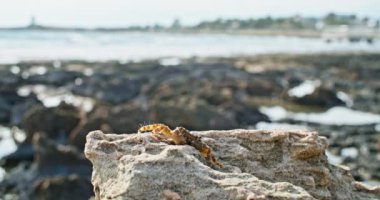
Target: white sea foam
305, 88
345, 98
37, 70
279, 126
170, 61
333, 159
333, 116
377, 127
7, 144
2, 174
338, 116
275, 113
52, 97
15, 69
350, 152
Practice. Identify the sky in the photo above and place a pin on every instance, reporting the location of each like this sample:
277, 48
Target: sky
115, 13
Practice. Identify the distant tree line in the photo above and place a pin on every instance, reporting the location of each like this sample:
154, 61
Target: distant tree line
260, 23
265, 23
294, 22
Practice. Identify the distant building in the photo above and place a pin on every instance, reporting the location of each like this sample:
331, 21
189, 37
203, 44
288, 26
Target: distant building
351, 33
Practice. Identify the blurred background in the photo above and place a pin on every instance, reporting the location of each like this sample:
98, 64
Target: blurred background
70, 67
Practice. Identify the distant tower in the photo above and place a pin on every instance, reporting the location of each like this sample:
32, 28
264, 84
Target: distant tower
32, 23
176, 24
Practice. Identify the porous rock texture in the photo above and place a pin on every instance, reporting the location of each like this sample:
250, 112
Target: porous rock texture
257, 165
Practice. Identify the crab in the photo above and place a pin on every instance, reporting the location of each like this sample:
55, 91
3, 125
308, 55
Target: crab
180, 136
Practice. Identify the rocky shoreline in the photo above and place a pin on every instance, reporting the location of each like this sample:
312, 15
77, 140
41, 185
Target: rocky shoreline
197, 93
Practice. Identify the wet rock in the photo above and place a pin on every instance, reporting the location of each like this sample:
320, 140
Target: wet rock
347, 142
261, 87
8, 98
62, 188
192, 114
56, 122
126, 118
4, 111
97, 120
320, 97
294, 81
12, 106
8, 79
258, 164
246, 115
19, 110
111, 88
56, 170
55, 159
54, 78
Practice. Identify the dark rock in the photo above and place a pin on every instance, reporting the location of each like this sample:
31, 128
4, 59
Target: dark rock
110, 88
97, 120
56, 122
263, 87
19, 110
51, 160
126, 118
9, 96
8, 79
294, 81
123, 118
56, 78
62, 188
23, 154
13, 106
320, 97
195, 115
246, 115
4, 111
55, 159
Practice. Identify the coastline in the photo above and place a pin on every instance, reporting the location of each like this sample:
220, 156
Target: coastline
302, 33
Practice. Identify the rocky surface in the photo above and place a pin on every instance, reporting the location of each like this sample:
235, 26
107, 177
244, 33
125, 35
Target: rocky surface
198, 93
258, 165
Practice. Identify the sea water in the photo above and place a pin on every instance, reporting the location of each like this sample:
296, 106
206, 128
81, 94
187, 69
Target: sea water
18, 45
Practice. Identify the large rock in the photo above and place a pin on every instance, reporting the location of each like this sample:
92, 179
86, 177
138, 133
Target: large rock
258, 165
56, 77
53, 159
62, 188
191, 113
9, 79
112, 88
13, 106
57, 172
56, 122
